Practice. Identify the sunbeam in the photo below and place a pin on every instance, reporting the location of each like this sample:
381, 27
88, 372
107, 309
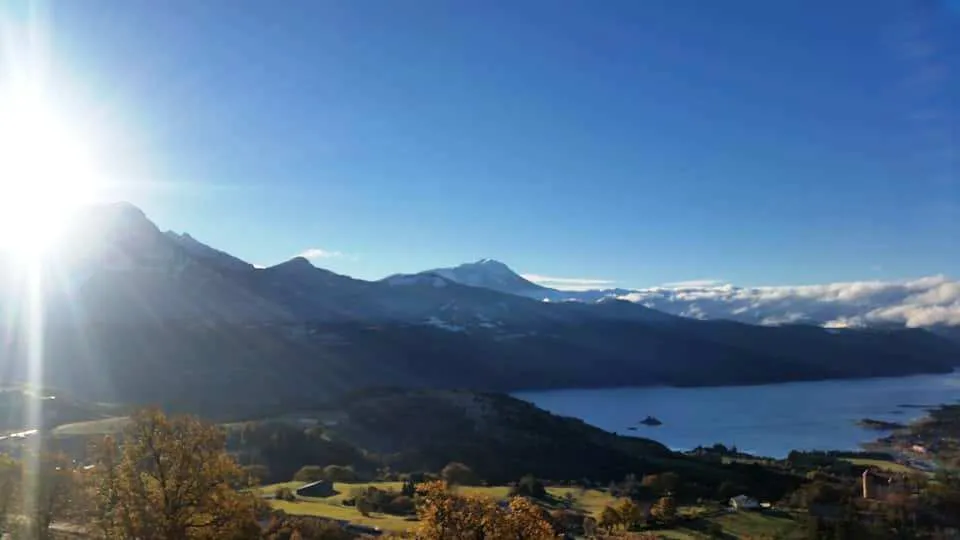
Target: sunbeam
46, 172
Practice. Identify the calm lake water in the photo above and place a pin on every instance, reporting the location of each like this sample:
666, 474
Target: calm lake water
767, 420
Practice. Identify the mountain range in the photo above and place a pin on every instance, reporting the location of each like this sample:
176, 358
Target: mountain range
931, 302
135, 314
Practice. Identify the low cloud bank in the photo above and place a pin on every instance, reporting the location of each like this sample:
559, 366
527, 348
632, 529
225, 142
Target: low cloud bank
923, 302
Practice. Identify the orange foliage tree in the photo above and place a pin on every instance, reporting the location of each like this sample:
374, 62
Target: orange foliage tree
447, 515
170, 478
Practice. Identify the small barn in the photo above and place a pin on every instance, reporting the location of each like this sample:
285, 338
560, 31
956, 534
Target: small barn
744, 502
320, 488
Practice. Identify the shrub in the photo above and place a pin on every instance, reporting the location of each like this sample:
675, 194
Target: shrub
529, 486
364, 506
567, 521
309, 473
339, 473
285, 494
409, 488
401, 506
458, 474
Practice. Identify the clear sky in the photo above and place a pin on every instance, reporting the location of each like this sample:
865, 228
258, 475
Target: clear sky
638, 141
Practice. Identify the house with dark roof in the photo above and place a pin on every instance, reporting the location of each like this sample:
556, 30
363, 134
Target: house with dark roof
320, 488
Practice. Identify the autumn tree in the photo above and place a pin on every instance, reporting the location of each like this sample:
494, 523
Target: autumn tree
631, 515
9, 488
50, 492
170, 478
661, 484
610, 518
589, 526
56, 490
282, 527
445, 515
256, 473
664, 510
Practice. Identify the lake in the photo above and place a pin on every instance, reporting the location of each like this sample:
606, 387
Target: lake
767, 420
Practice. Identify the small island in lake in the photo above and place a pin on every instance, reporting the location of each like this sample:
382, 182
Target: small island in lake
882, 425
651, 421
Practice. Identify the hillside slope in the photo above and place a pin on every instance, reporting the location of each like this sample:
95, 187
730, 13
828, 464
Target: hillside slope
500, 437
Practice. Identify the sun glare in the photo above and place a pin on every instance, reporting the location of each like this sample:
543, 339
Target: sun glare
46, 172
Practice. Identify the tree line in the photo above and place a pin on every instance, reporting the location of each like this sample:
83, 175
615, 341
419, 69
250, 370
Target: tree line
172, 478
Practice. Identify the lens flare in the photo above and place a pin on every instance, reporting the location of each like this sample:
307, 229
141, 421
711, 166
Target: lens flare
45, 173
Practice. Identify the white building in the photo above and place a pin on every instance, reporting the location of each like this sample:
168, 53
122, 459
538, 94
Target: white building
743, 502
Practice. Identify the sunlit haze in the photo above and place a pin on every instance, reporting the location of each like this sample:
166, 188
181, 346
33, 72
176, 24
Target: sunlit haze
631, 144
45, 173
47, 168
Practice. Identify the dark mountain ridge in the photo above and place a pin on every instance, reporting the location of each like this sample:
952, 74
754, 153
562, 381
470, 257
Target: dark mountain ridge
137, 315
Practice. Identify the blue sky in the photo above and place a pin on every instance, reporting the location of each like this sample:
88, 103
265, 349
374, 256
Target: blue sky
641, 142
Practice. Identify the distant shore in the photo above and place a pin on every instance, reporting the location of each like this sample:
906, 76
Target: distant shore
930, 442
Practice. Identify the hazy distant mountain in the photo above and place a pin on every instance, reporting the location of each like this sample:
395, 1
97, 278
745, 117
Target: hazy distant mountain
495, 275
931, 302
486, 273
135, 314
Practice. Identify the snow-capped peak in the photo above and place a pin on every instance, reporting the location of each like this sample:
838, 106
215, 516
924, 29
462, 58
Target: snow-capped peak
296, 265
486, 273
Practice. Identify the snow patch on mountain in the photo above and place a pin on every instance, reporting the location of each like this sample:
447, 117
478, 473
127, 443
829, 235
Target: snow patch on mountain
488, 274
443, 325
408, 280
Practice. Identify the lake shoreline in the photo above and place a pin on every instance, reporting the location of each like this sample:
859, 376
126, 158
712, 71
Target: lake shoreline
769, 420
799, 380
931, 440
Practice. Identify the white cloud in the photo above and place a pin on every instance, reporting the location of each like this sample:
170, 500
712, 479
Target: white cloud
922, 302
568, 284
318, 253
694, 284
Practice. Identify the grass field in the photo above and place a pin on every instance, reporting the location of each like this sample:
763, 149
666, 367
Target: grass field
735, 524
884, 465
106, 426
589, 501
332, 507
695, 521
323, 508
756, 524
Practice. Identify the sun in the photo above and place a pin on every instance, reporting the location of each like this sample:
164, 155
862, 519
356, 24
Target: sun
46, 173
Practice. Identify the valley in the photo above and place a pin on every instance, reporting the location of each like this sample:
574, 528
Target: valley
377, 387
